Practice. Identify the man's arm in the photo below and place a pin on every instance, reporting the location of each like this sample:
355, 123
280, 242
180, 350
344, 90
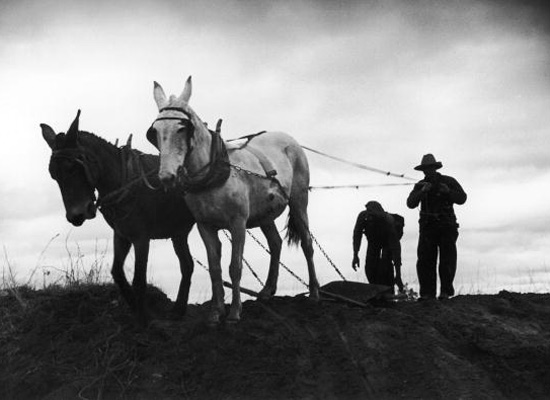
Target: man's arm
419, 191
456, 193
358, 232
357, 236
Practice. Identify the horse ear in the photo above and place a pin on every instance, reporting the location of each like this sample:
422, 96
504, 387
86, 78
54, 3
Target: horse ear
49, 135
129, 141
72, 134
219, 126
187, 90
158, 94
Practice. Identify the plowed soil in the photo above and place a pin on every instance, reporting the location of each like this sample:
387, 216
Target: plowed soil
83, 343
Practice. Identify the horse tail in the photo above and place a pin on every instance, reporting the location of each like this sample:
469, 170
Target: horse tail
292, 229
298, 223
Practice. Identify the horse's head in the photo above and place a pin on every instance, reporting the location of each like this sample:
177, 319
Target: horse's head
69, 167
174, 132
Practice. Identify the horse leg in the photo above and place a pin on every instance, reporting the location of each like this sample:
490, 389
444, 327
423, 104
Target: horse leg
238, 235
141, 250
274, 242
213, 246
181, 247
121, 248
307, 248
298, 213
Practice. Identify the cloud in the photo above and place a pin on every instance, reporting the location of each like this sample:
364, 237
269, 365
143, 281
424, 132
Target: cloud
15, 204
376, 82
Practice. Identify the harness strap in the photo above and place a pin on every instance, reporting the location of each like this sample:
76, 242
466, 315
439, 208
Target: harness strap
116, 196
132, 173
179, 109
266, 164
217, 170
247, 137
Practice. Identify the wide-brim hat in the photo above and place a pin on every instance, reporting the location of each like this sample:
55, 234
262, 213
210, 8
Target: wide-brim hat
428, 162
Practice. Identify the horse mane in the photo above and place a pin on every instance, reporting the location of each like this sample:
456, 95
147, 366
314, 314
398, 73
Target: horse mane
91, 140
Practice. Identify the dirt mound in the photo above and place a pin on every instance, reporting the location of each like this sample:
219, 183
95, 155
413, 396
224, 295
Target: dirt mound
83, 343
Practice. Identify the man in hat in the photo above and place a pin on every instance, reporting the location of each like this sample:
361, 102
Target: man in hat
436, 195
383, 232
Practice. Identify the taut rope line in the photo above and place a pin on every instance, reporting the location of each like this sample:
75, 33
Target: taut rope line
361, 166
359, 186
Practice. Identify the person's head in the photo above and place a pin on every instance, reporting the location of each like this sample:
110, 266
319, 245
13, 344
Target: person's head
374, 209
428, 165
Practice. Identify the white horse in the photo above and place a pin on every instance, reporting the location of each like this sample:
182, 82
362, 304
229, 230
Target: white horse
233, 188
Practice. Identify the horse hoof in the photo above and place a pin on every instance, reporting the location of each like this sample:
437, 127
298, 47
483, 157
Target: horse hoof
213, 319
234, 316
233, 319
178, 310
314, 296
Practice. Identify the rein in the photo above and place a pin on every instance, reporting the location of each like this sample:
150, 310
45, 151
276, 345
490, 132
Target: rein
219, 167
116, 196
130, 163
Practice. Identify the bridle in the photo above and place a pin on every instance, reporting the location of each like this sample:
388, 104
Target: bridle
213, 173
151, 132
85, 160
81, 158
180, 109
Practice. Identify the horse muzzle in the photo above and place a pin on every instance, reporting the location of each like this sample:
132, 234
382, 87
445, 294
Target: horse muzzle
77, 215
167, 179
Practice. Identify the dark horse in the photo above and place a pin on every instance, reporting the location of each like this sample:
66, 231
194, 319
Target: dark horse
82, 163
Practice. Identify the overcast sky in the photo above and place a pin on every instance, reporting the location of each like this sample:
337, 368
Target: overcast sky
375, 82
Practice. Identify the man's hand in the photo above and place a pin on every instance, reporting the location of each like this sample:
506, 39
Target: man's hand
443, 188
355, 262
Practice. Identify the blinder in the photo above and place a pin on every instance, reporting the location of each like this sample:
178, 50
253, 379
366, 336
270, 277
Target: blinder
152, 136
186, 122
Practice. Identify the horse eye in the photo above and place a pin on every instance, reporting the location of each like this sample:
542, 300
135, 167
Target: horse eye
187, 129
68, 170
179, 137
73, 169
